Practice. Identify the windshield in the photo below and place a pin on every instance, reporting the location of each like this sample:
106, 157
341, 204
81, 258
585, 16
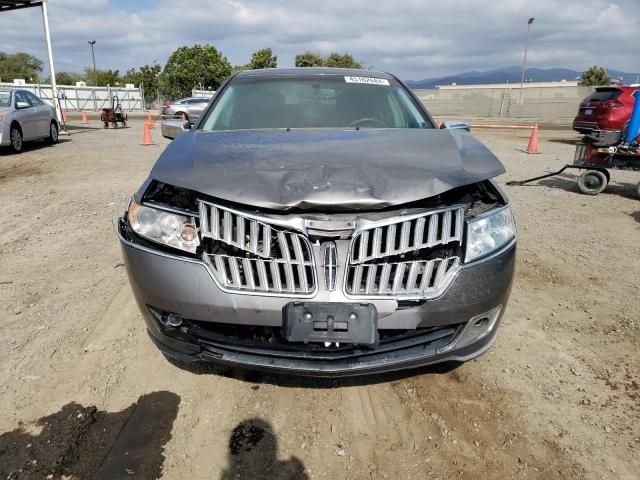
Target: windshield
314, 101
5, 98
604, 94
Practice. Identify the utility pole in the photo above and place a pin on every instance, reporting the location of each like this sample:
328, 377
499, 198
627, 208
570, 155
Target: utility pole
524, 62
54, 86
93, 57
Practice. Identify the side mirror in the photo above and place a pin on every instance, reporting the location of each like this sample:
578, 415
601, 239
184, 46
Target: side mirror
173, 127
456, 125
20, 105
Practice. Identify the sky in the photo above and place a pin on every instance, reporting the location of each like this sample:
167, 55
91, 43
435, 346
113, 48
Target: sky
413, 39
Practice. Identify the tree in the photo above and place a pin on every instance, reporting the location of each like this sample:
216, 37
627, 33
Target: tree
263, 59
19, 65
68, 78
309, 59
147, 75
334, 60
102, 78
198, 66
345, 60
595, 76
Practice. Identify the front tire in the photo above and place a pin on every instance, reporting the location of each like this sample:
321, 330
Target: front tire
15, 136
592, 182
53, 134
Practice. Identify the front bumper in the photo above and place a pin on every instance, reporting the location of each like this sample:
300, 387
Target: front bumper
163, 282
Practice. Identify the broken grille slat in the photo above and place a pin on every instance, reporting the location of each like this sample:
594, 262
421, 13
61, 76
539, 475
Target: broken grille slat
253, 237
404, 237
433, 231
425, 281
446, 227
248, 273
419, 232
384, 278
262, 274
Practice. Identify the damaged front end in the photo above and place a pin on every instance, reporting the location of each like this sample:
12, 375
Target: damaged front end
340, 291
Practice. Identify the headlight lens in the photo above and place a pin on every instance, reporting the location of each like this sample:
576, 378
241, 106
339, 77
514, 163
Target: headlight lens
489, 232
168, 228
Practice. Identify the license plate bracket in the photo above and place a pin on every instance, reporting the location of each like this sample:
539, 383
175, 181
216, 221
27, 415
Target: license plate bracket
320, 322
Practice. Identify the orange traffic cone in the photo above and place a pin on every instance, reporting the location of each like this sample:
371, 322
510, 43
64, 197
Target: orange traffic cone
146, 135
150, 120
85, 120
533, 140
64, 117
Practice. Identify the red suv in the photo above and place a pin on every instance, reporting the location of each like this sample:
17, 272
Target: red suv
608, 108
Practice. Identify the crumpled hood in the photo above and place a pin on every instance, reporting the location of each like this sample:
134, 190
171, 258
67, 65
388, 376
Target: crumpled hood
347, 169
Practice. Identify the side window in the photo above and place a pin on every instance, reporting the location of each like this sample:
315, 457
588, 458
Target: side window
21, 97
35, 101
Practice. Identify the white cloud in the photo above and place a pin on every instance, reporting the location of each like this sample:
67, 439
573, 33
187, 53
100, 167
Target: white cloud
413, 38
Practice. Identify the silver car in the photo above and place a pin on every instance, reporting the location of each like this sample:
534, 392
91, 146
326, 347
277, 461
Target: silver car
25, 117
317, 222
187, 108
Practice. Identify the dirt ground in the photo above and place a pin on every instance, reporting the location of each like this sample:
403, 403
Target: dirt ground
85, 394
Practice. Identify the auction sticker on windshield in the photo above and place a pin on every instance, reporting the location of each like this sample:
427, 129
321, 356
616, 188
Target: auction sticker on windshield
367, 80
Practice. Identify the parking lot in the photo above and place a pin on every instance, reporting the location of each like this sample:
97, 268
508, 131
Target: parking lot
557, 397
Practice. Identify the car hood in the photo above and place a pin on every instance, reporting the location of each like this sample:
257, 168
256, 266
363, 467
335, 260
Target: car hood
325, 169
5, 110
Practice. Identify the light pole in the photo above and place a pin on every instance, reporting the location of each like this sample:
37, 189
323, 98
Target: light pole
93, 57
524, 61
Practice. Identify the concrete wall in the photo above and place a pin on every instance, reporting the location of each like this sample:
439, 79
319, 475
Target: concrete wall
87, 98
552, 103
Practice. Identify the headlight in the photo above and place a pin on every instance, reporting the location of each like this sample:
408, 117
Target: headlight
489, 232
168, 228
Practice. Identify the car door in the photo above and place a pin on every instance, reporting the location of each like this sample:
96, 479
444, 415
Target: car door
25, 116
42, 115
196, 106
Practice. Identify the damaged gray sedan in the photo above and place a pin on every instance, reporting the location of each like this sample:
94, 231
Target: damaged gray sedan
316, 222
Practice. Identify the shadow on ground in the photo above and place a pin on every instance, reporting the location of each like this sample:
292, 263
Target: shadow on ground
84, 442
566, 141
253, 453
569, 183
75, 129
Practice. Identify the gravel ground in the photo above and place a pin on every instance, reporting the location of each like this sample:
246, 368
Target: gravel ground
84, 393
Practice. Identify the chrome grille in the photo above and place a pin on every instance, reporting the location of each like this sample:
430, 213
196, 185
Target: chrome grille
406, 234
270, 258
420, 278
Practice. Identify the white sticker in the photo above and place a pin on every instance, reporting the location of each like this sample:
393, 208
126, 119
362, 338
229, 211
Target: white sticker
367, 80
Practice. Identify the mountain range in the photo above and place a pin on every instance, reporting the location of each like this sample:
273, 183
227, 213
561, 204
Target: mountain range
513, 75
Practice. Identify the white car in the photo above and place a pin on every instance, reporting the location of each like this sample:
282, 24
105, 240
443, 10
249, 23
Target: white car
25, 117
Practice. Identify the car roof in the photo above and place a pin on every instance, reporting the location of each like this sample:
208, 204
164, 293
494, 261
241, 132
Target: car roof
310, 71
